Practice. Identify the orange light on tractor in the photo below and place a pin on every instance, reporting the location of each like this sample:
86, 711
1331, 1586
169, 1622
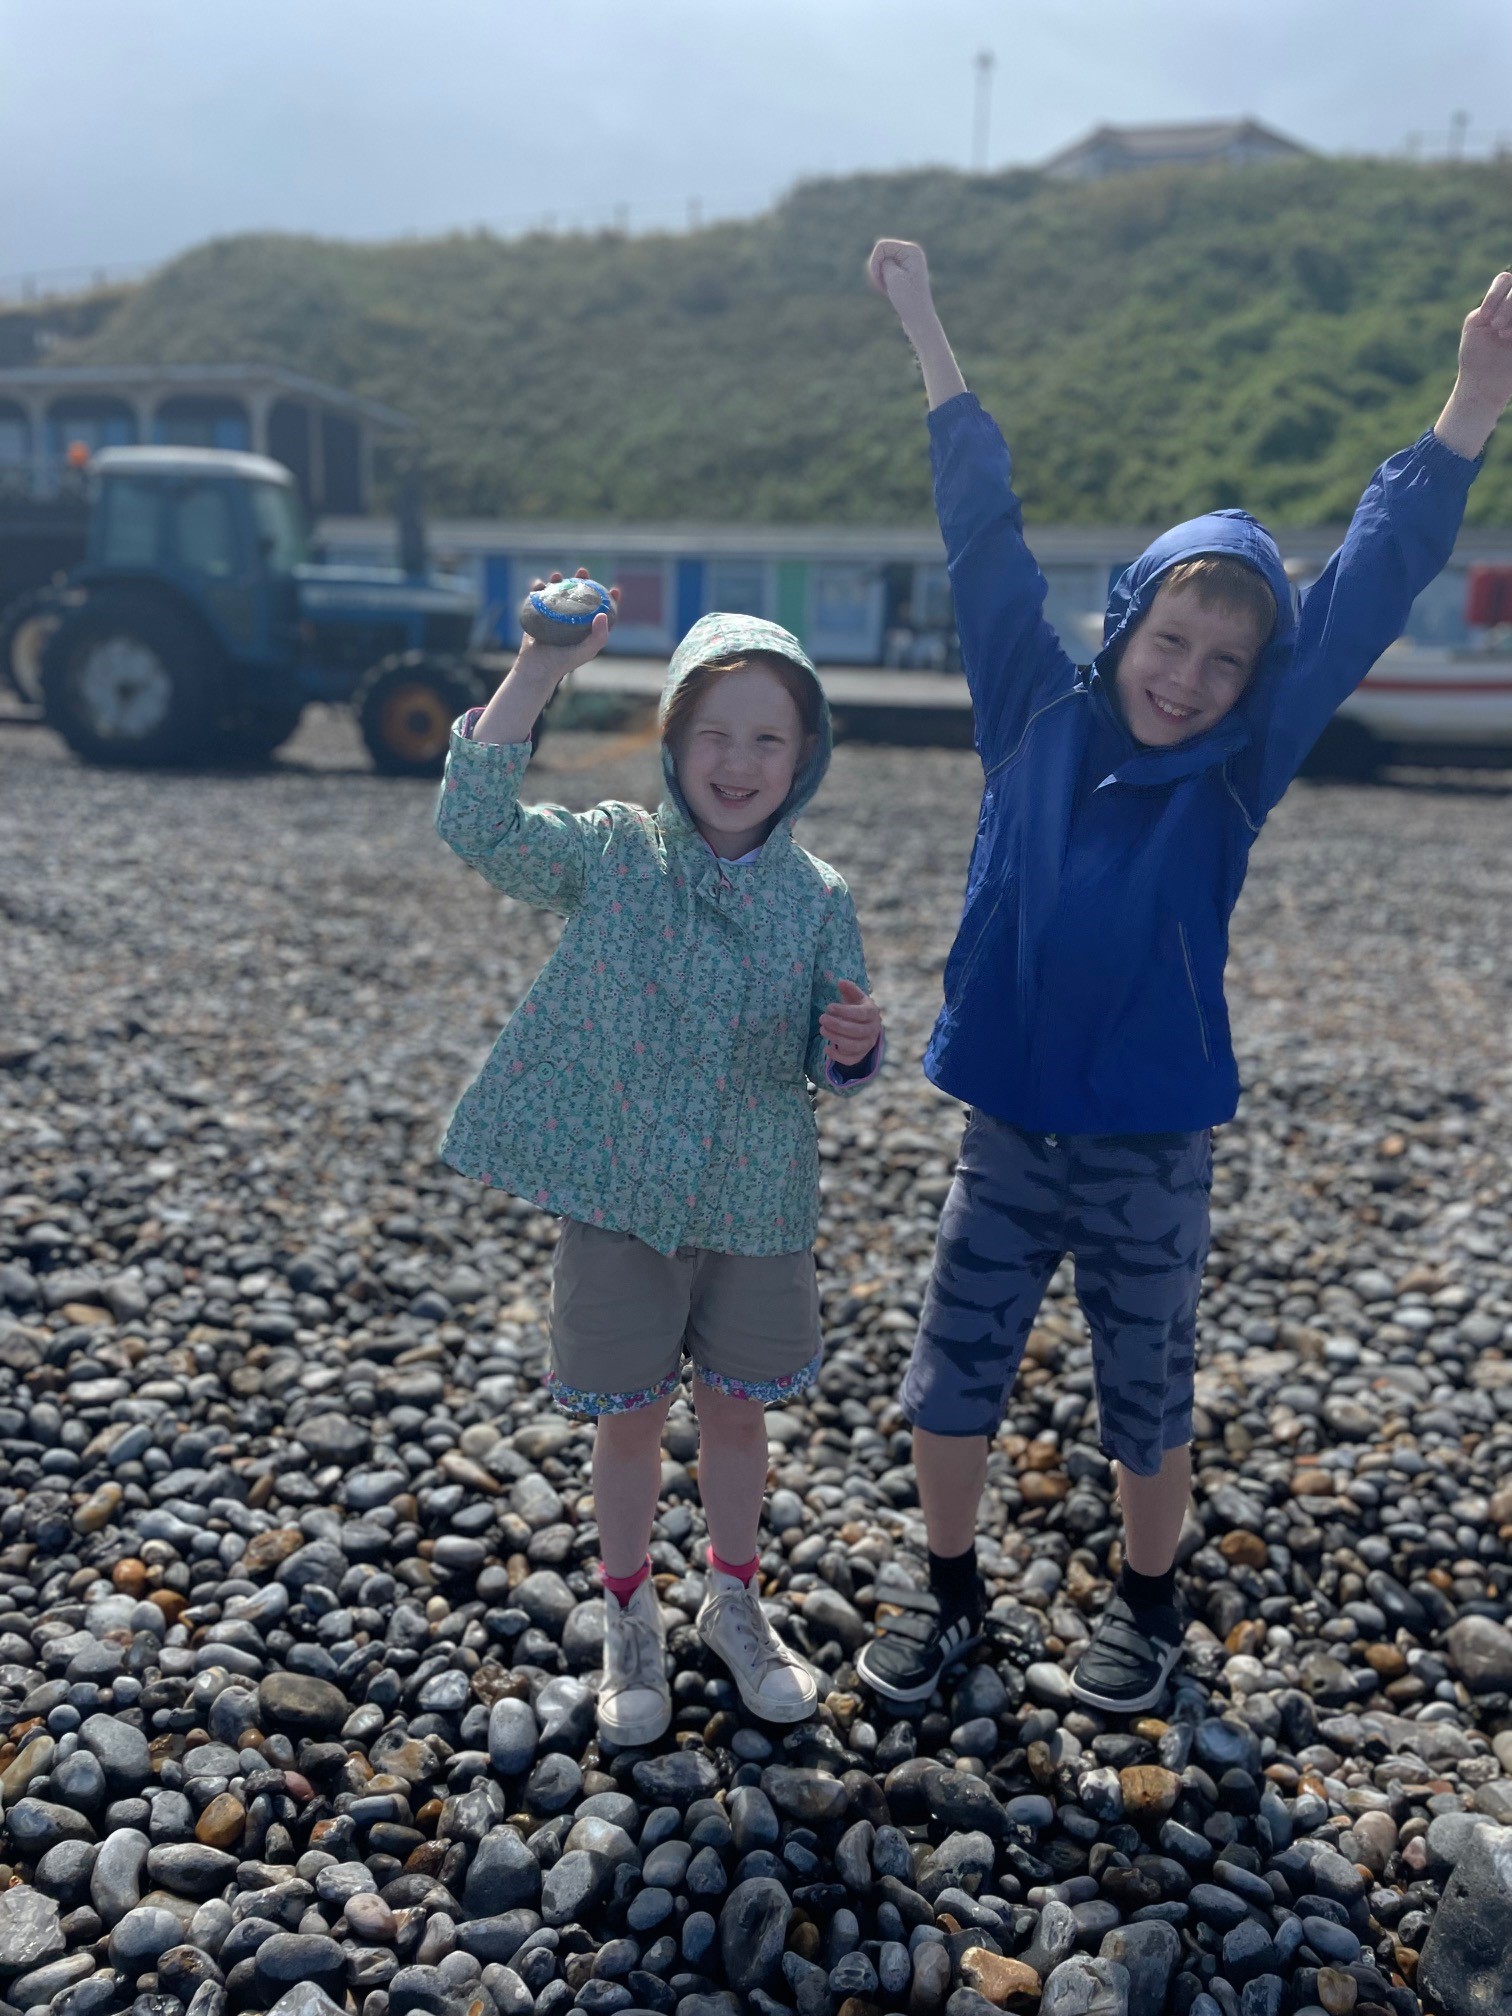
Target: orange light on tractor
78, 454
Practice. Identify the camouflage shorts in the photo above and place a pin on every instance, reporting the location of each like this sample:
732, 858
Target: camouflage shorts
1132, 1211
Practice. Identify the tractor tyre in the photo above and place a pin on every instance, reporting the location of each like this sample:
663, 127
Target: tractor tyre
251, 734
129, 680
25, 627
405, 708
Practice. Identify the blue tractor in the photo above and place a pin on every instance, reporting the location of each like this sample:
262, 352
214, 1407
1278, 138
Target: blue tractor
197, 627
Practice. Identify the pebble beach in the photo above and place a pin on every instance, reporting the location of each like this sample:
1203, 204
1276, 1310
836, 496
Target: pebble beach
299, 1617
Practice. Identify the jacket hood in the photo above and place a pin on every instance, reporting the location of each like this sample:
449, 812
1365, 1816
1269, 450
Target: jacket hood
719, 635
1236, 536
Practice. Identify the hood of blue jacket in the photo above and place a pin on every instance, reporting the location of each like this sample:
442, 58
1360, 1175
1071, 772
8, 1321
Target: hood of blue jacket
1235, 535
719, 635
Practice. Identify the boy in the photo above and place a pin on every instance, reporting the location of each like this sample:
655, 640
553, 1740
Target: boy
1084, 1022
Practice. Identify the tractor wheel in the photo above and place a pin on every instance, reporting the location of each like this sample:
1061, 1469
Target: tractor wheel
127, 680
251, 734
25, 628
405, 708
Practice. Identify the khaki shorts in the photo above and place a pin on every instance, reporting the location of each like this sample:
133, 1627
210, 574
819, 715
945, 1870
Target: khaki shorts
623, 1316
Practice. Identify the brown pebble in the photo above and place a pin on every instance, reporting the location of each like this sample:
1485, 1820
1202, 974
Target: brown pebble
130, 1576
1385, 1660
804, 1940
1043, 1488
98, 1509
996, 1977
270, 1550
1149, 1789
221, 1823
170, 1602
1246, 1548
1337, 1991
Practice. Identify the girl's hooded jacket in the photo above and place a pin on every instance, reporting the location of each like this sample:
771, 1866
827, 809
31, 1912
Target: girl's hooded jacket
1084, 991
655, 1079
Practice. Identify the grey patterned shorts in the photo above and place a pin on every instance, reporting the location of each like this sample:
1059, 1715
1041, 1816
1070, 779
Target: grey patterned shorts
1132, 1211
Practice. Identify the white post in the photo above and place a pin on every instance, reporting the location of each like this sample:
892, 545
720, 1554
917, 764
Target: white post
316, 438
36, 420
260, 404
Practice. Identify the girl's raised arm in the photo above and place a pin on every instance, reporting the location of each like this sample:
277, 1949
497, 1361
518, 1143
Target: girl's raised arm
542, 854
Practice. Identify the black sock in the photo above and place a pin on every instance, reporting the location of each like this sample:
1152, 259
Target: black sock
1147, 1592
953, 1577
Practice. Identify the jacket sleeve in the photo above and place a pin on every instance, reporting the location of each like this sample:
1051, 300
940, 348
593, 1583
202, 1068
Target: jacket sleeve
1012, 657
1400, 537
542, 854
838, 956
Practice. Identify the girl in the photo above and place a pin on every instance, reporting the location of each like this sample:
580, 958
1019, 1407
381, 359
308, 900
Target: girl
653, 1088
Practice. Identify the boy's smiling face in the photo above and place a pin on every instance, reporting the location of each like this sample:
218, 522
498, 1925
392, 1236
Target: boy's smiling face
737, 758
1185, 665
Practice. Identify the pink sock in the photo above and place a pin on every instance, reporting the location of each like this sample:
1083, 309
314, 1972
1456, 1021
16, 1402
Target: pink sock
742, 1574
625, 1586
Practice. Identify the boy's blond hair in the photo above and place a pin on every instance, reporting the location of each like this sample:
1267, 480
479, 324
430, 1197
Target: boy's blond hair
1215, 578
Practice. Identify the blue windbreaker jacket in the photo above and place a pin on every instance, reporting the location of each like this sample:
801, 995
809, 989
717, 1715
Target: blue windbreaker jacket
1084, 991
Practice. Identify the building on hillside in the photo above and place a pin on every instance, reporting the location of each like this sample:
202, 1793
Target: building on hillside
323, 435
1121, 150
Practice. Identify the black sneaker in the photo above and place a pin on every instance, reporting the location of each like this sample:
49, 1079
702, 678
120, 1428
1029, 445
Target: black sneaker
1130, 1659
911, 1650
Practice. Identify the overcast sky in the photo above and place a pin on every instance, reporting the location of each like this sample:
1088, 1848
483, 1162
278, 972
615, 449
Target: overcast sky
132, 129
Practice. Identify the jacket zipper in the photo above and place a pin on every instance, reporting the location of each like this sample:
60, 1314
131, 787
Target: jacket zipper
1186, 958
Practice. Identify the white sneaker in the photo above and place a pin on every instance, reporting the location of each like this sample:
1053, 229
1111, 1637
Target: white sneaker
634, 1700
774, 1683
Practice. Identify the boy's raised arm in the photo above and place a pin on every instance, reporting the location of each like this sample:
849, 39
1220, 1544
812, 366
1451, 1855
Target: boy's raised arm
1399, 539
1012, 658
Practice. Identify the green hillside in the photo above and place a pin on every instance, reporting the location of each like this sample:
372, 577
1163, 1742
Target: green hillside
1153, 346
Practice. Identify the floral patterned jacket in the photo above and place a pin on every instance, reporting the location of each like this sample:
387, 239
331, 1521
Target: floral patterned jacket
656, 1078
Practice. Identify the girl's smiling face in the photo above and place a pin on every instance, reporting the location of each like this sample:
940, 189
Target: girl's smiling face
737, 757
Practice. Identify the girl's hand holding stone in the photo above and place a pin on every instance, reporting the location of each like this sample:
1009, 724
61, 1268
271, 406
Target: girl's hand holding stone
535, 675
552, 662
851, 1027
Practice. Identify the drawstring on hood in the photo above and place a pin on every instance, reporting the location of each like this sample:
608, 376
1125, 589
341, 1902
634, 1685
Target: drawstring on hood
720, 635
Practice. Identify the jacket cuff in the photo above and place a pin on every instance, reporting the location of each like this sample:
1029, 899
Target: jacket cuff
482, 766
1443, 460
465, 745
954, 413
847, 1077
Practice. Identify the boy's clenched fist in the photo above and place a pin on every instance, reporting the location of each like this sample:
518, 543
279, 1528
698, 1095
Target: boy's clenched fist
898, 269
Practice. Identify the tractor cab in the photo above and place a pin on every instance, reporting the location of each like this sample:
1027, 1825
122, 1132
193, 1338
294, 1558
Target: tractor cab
199, 624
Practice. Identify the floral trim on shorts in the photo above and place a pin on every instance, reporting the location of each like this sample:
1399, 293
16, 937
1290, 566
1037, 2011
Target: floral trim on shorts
576, 1401
766, 1391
